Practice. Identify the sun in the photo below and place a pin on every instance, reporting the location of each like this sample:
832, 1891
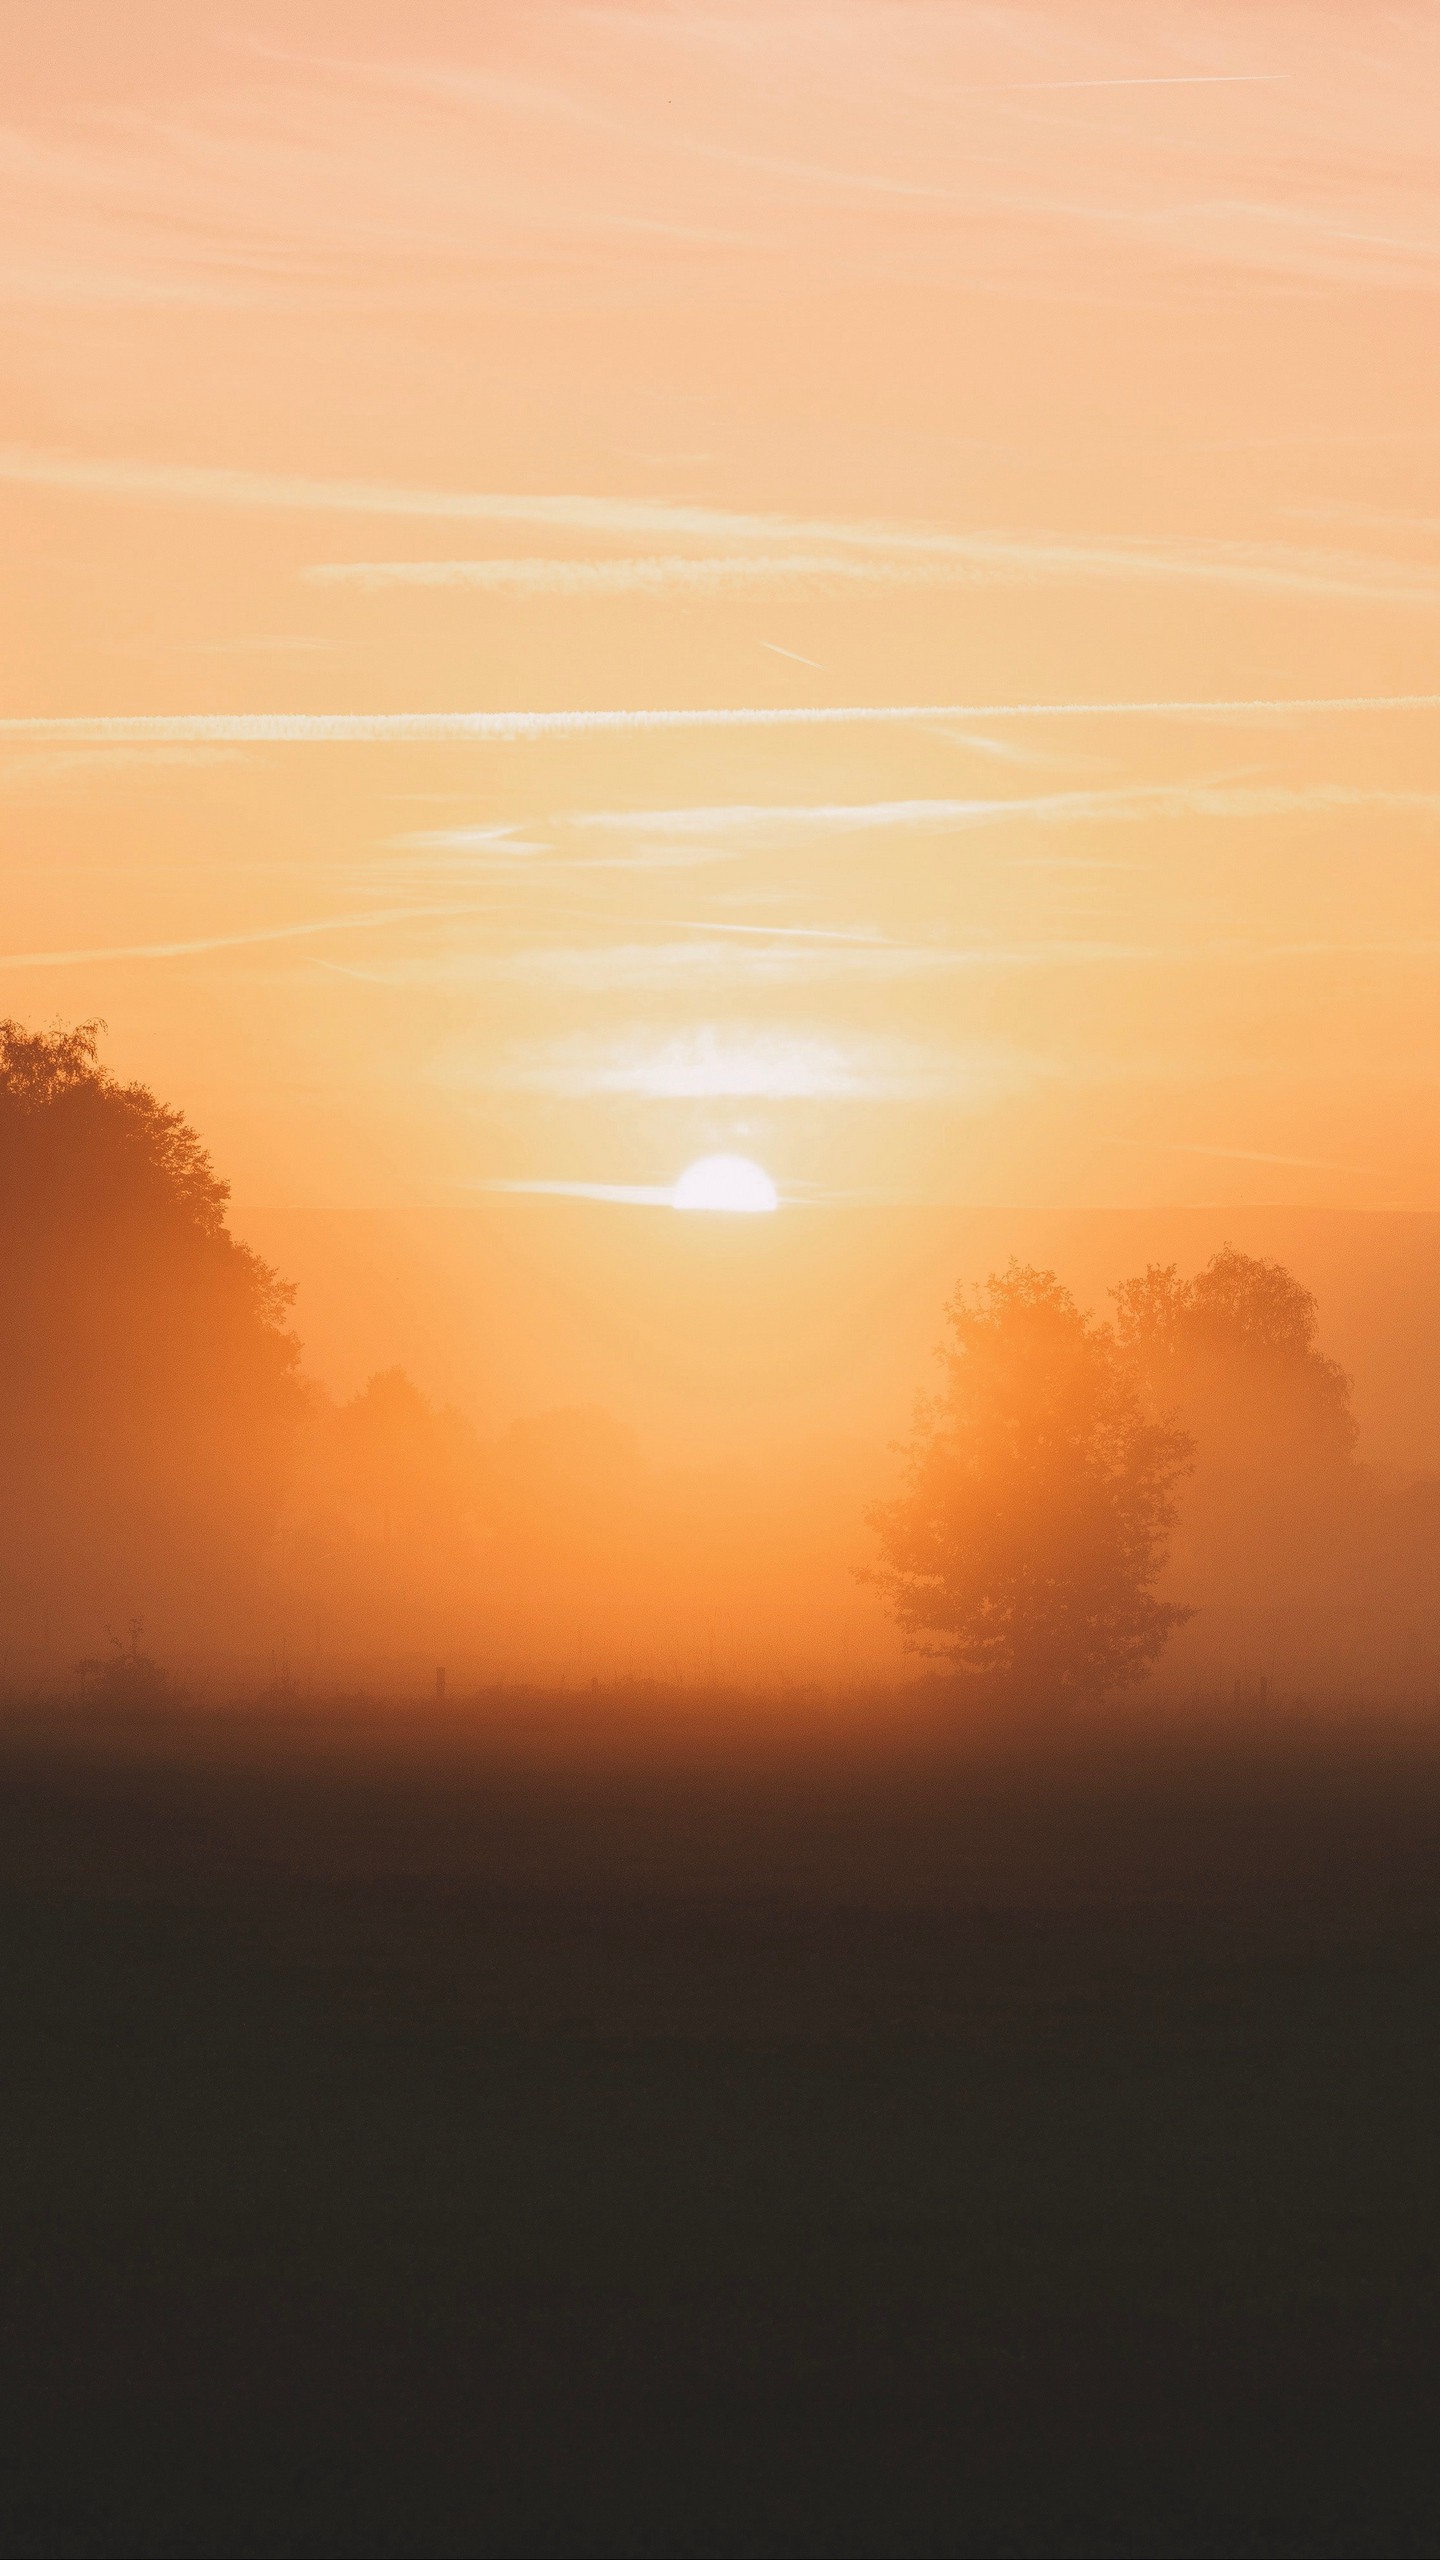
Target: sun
725, 1182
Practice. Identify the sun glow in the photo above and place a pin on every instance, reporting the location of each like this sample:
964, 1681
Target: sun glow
725, 1182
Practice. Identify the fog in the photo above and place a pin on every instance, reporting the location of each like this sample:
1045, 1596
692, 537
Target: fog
573, 1446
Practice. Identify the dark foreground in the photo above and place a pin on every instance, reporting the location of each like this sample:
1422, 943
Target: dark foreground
412, 2154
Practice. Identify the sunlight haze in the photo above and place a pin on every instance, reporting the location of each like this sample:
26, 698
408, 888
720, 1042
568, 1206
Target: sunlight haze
849, 589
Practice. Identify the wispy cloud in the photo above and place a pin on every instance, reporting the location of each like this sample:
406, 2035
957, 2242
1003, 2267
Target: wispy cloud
908, 557
984, 556
343, 728
628, 1195
667, 841
769, 820
656, 574
741, 1062
473, 852
196, 944
211, 485
770, 823
800, 145
1154, 80
753, 958
716, 963
1260, 1155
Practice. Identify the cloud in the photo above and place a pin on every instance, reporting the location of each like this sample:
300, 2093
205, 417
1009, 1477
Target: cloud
657, 574
1154, 80
802, 145
993, 555
769, 822
736, 1062
629, 1195
1258, 1155
358, 728
864, 817
742, 959
800, 661
465, 852
740, 956
907, 557
226, 941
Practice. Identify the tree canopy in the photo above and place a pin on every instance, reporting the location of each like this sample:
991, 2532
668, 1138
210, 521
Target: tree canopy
1038, 1495
1236, 1350
146, 1364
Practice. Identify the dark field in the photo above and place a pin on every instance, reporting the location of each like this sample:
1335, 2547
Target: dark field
411, 2150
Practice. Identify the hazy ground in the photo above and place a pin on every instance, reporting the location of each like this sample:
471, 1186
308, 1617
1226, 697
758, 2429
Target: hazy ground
412, 2147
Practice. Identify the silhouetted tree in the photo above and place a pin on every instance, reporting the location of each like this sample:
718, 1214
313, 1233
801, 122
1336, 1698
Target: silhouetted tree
147, 1372
1025, 1544
381, 1535
1278, 1532
126, 1676
1236, 1351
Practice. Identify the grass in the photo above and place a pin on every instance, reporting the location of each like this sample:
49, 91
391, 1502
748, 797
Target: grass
409, 2148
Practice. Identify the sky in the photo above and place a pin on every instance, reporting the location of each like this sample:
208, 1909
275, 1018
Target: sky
854, 584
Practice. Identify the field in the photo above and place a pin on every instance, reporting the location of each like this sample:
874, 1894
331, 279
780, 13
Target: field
412, 2147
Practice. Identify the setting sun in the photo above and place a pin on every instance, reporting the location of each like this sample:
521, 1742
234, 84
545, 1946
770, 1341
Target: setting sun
720, 1883
726, 1182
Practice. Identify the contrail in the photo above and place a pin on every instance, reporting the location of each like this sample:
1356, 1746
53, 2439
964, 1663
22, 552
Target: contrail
419, 728
789, 653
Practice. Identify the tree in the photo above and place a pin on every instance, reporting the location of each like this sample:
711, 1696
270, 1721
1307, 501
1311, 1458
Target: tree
1236, 1349
1277, 1531
1037, 1499
126, 1676
147, 1371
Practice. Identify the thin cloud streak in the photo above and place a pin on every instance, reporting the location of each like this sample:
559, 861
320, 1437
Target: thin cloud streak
651, 968
742, 818
629, 1195
229, 941
765, 959
397, 182
472, 853
655, 574
935, 561
1057, 808
1259, 1155
993, 554
748, 1064
344, 728
1146, 80
469, 850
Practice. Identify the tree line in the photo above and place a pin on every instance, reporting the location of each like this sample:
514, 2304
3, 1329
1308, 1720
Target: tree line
1079, 1495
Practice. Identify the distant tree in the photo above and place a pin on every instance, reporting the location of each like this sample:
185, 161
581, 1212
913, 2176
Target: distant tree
1278, 1530
147, 1371
1032, 1524
1236, 1350
126, 1676
387, 1479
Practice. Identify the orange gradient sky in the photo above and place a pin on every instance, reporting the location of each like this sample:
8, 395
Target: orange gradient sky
1039, 370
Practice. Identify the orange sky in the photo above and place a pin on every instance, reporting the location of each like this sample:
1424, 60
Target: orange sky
372, 361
